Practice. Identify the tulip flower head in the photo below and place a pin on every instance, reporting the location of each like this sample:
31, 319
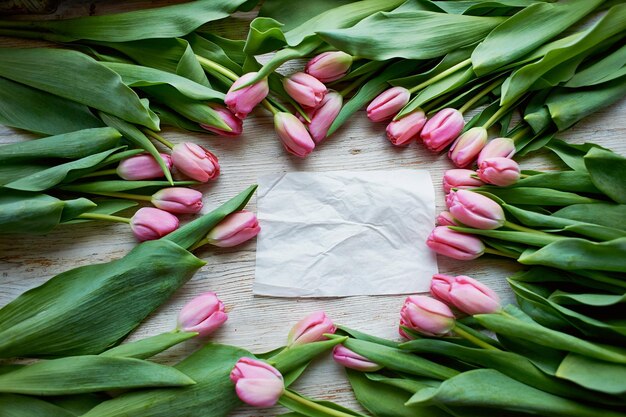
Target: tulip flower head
241, 101
445, 218
503, 147
324, 115
235, 123
203, 315
455, 245
465, 293
467, 147
305, 89
344, 356
234, 229
426, 315
403, 131
195, 162
257, 383
388, 104
142, 167
460, 178
178, 200
499, 171
293, 135
440, 130
329, 66
150, 223
310, 329
475, 210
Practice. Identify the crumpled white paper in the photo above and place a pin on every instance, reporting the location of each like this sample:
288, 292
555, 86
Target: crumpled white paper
344, 233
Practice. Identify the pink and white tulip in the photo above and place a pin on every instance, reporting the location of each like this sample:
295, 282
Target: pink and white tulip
324, 116
401, 132
440, 130
445, 218
242, 101
203, 314
257, 383
460, 179
150, 223
455, 245
345, 357
503, 147
499, 171
234, 229
465, 293
310, 329
329, 66
475, 210
388, 104
467, 147
293, 135
178, 200
195, 162
305, 89
142, 167
426, 315
235, 123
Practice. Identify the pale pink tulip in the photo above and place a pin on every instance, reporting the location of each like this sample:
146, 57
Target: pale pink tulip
305, 89
503, 147
293, 135
195, 161
460, 178
242, 101
455, 245
257, 383
445, 218
499, 171
235, 229
142, 167
388, 104
150, 223
235, 123
440, 130
426, 315
345, 357
178, 200
467, 147
329, 66
403, 131
310, 329
203, 314
324, 115
475, 210
465, 293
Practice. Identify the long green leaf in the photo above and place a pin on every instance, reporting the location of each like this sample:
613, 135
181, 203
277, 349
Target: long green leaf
104, 206
22, 406
593, 374
538, 196
150, 346
606, 69
573, 181
292, 17
115, 186
296, 356
605, 214
608, 172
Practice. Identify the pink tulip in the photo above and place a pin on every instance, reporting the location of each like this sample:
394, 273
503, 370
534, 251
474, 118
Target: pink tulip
310, 329
460, 178
442, 129
503, 147
329, 66
151, 223
465, 293
293, 134
236, 228
203, 314
426, 315
345, 357
467, 147
142, 167
178, 200
475, 210
388, 104
499, 171
324, 115
305, 89
257, 383
445, 218
195, 161
241, 102
235, 123
455, 245
401, 132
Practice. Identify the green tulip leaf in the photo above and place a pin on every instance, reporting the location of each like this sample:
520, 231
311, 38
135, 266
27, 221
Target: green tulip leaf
606, 69
150, 346
23, 406
597, 375
605, 214
111, 206
291, 17
114, 186
608, 172
538, 196
592, 300
324, 409
296, 356
573, 181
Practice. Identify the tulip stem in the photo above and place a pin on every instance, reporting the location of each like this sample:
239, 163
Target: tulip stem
269, 106
199, 243
126, 196
159, 138
209, 65
105, 217
521, 228
497, 252
522, 132
354, 84
101, 173
313, 405
468, 105
471, 338
441, 75
496, 116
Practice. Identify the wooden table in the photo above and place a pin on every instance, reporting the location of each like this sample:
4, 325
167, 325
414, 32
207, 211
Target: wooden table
261, 323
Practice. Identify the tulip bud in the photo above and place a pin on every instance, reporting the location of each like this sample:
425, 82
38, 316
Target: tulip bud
465, 293
241, 102
401, 132
329, 66
235, 123
460, 178
293, 134
178, 200
499, 171
305, 89
195, 161
465, 149
445, 218
442, 129
310, 329
503, 147
324, 115
426, 315
345, 357
475, 210
151, 223
455, 245
203, 314
388, 104
142, 167
234, 229
257, 383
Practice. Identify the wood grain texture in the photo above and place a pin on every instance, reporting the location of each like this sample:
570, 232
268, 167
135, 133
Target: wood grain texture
262, 323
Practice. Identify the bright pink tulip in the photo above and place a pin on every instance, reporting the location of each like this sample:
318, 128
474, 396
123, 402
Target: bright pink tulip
241, 102
403, 131
310, 329
195, 161
150, 223
293, 134
445, 218
142, 167
475, 210
465, 293
388, 104
178, 200
329, 66
234, 122
345, 357
236, 228
257, 383
440, 130
203, 314
467, 147
499, 171
455, 245
305, 89
460, 178
426, 315
503, 147
324, 115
